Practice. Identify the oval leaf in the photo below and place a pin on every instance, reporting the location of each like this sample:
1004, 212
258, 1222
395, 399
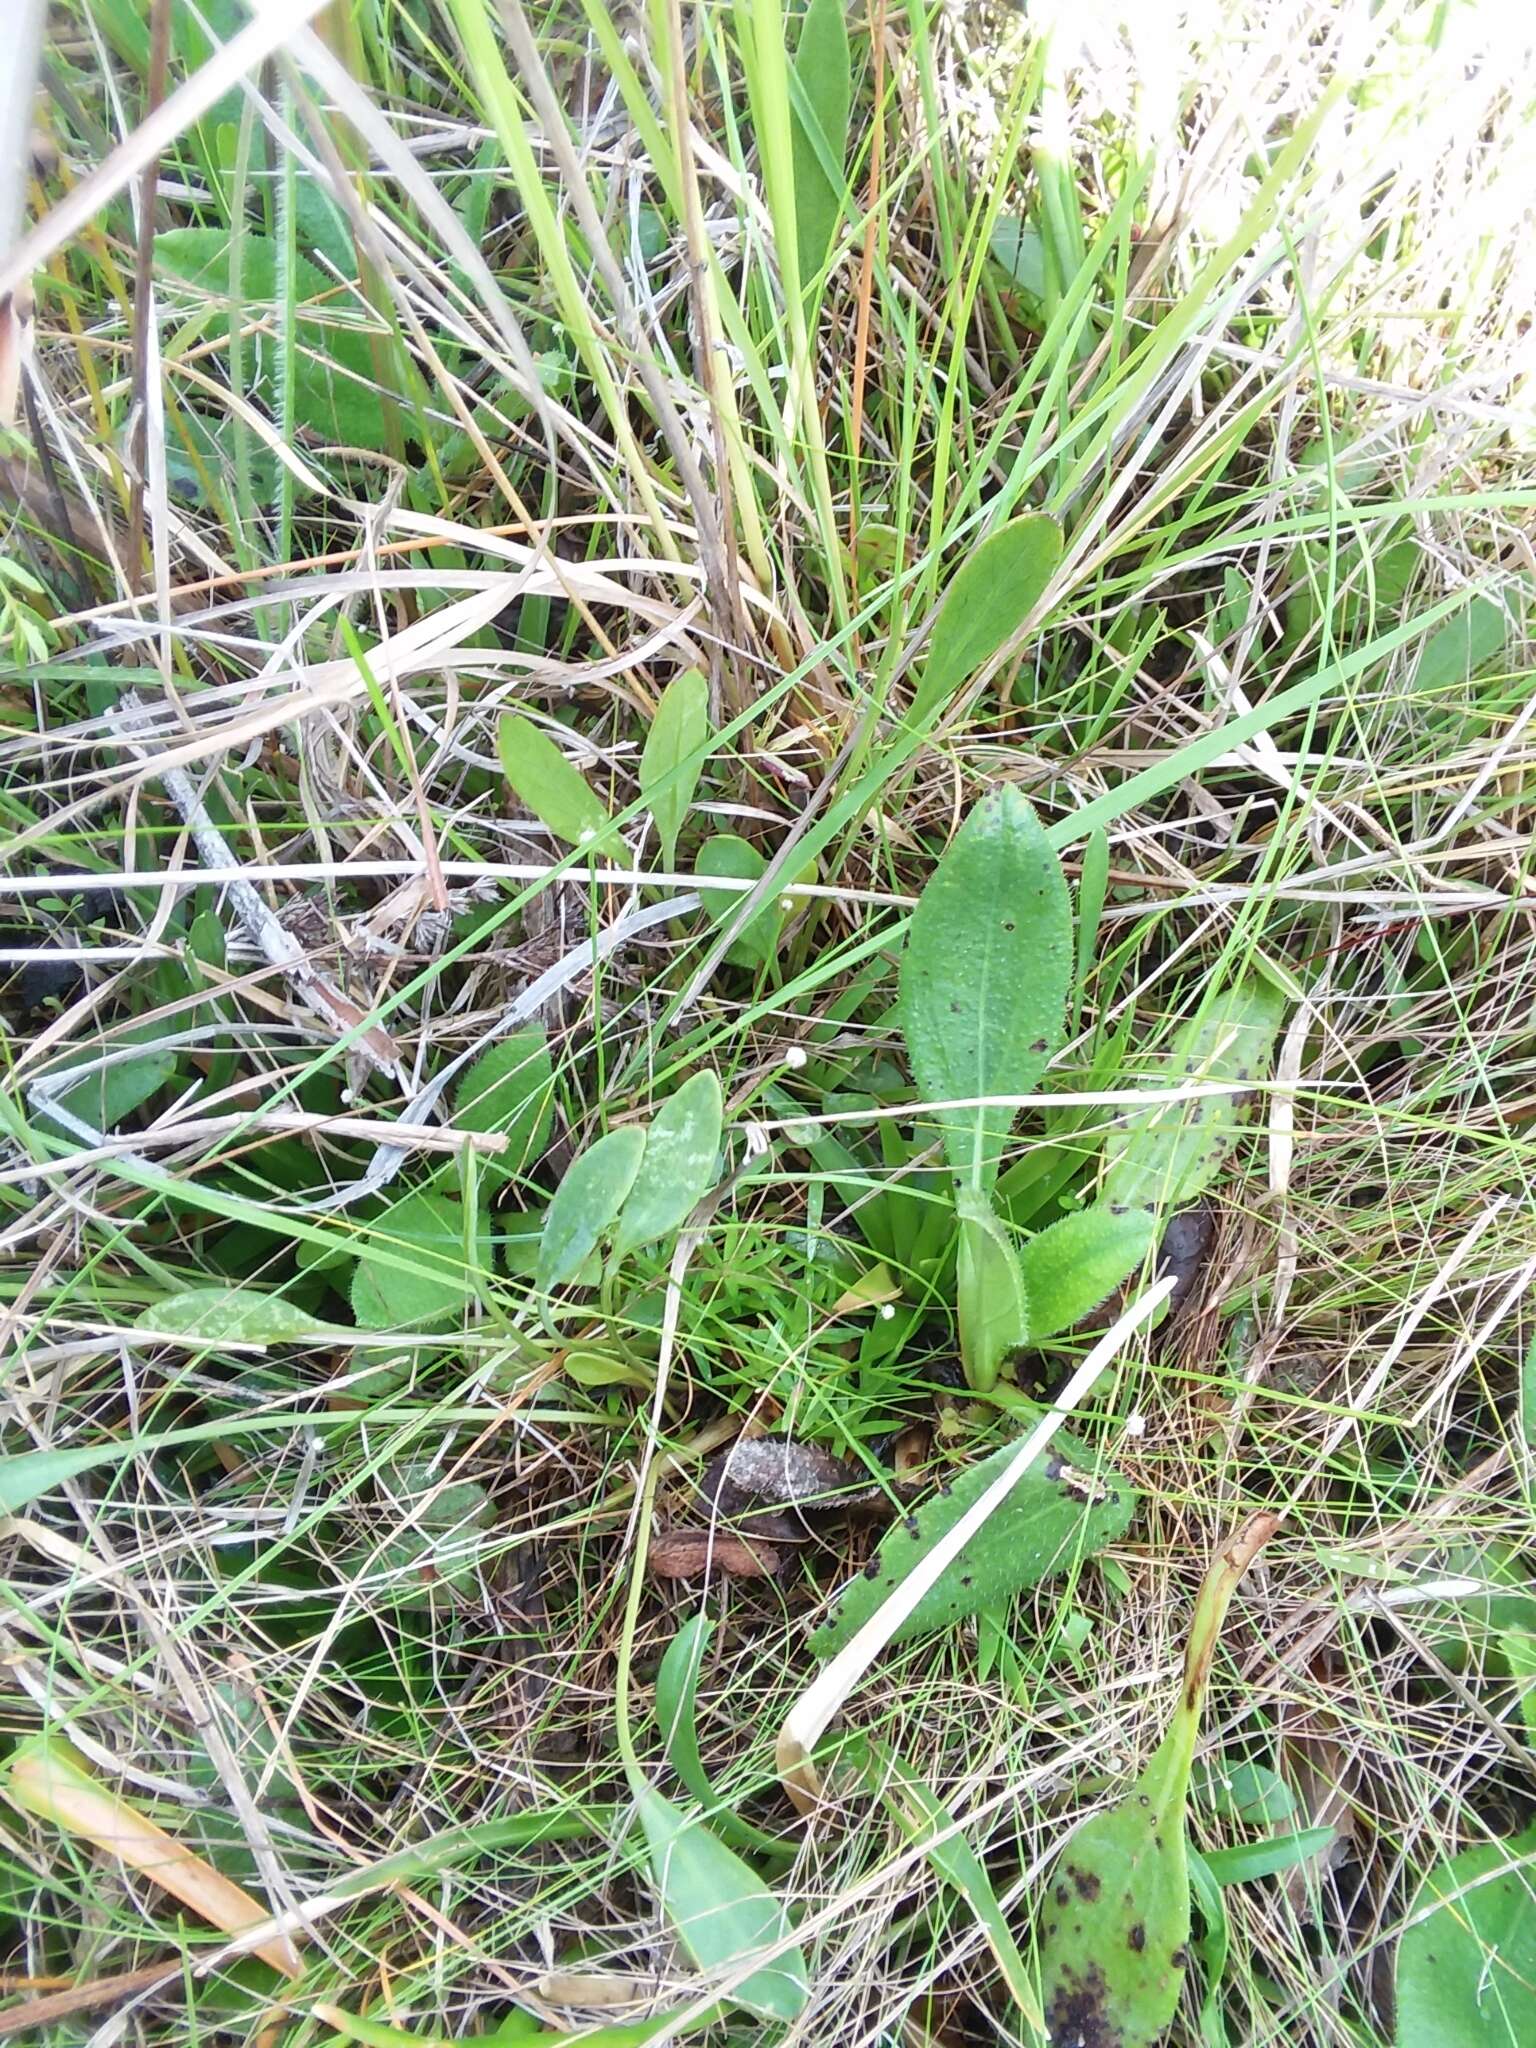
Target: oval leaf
1078, 1261
985, 974
233, 1315
1170, 1152
675, 750
415, 1274
585, 1205
989, 597
1466, 1969
545, 783
681, 1149
722, 1912
510, 1088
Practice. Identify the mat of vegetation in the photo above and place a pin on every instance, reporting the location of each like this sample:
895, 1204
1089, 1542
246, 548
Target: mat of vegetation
766, 1230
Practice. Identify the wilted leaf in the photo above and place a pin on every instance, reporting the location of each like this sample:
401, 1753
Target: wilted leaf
586, 1205
722, 1912
546, 783
1060, 1510
984, 976
691, 1553
682, 1147
674, 755
988, 599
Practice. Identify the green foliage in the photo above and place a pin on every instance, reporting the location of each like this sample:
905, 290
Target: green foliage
1063, 1509
756, 945
106, 1098
1114, 1932
682, 1144
334, 389
721, 1911
990, 1294
1167, 1154
674, 754
545, 782
820, 96
1078, 1261
984, 977
586, 1205
988, 599
1466, 1965
510, 1088
416, 1275
232, 1315
444, 1524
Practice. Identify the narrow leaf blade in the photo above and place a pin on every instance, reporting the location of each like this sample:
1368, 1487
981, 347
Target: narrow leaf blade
989, 597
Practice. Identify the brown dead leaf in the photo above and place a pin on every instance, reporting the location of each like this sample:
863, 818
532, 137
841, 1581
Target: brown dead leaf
689, 1553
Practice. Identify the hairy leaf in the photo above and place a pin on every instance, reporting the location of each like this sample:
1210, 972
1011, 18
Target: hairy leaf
1466, 1966
1166, 1154
542, 779
1062, 1509
416, 1275
721, 1910
988, 599
1078, 1261
232, 1315
510, 1088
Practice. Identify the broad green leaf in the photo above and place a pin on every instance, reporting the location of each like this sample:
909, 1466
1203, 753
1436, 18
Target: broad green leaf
543, 780
510, 1088
722, 1912
730, 857
416, 1274
1061, 1510
104, 1098
1466, 1966
1078, 1261
443, 1525
819, 104
1454, 653
335, 395
1114, 1933
677, 1684
984, 976
1020, 251
682, 1148
1170, 1152
988, 599
586, 1205
1251, 1793
233, 1315
674, 755
990, 1294
1519, 1647
928, 1824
